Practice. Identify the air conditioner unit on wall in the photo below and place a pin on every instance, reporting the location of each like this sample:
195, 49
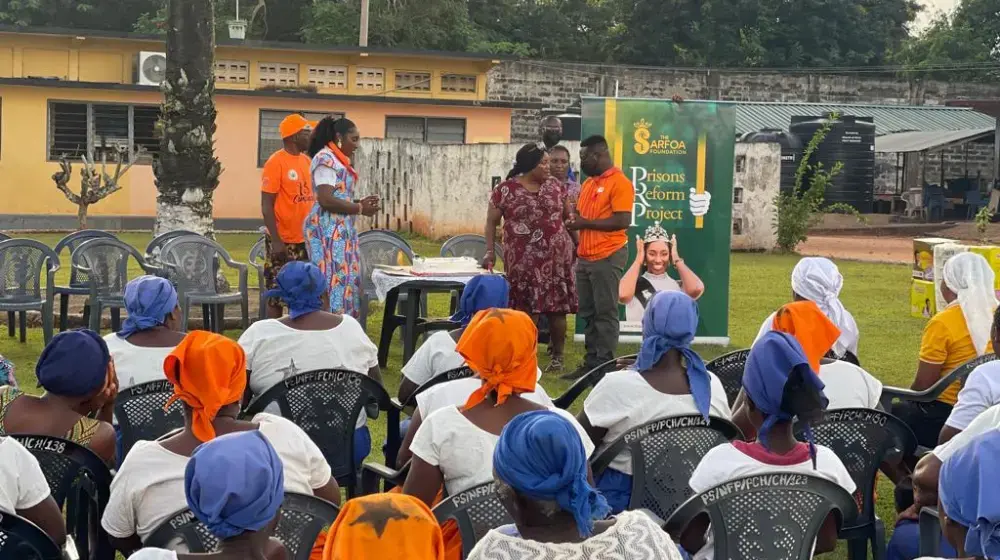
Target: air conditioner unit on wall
152, 68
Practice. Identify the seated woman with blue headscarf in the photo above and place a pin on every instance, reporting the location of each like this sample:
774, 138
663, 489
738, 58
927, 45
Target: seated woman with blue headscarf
669, 379
781, 387
437, 354
541, 475
234, 484
80, 383
150, 332
970, 499
309, 338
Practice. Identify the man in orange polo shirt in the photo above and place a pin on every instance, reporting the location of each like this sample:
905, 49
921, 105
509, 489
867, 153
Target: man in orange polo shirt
286, 198
603, 214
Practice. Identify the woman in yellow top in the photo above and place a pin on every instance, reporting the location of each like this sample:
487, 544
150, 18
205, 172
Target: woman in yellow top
954, 336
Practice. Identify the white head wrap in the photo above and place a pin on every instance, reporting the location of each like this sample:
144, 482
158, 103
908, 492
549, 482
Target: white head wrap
819, 280
971, 278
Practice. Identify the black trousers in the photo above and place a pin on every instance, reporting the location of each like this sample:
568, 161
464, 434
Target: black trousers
925, 419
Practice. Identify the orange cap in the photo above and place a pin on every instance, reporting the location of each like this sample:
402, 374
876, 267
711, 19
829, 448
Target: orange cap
293, 124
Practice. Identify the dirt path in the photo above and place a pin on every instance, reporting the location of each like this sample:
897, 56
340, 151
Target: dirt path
872, 249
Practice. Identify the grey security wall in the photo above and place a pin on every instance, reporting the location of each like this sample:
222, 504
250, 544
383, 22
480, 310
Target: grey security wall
558, 86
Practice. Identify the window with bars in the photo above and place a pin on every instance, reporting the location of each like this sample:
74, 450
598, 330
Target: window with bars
328, 77
78, 129
429, 130
277, 74
232, 71
269, 139
413, 81
458, 83
369, 79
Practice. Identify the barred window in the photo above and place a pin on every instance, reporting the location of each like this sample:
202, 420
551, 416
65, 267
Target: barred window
78, 129
423, 129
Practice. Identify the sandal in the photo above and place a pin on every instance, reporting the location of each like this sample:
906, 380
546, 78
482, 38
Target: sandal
555, 365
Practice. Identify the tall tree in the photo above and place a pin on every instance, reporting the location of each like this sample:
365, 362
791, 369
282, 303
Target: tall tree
413, 24
187, 171
110, 15
964, 45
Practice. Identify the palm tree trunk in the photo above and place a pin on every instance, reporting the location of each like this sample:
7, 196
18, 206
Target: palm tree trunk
187, 171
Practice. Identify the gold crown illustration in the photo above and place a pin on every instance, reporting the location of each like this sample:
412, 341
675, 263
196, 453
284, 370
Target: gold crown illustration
655, 232
643, 123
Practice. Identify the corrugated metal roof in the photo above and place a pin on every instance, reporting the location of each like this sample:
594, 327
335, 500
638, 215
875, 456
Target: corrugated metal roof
919, 141
753, 116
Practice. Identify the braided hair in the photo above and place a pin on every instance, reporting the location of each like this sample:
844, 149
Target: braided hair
328, 130
528, 158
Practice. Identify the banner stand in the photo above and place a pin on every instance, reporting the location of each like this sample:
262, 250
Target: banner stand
680, 158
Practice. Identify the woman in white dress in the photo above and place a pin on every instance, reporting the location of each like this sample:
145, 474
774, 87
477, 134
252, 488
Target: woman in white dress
541, 477
656, 252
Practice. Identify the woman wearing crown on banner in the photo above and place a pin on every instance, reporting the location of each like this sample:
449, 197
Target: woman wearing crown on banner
656, 252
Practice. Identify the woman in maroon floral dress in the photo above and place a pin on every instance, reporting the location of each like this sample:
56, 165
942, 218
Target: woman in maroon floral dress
538, 251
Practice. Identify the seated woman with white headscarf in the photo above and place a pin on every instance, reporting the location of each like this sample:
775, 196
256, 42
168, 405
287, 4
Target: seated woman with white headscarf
818, 280
957, 334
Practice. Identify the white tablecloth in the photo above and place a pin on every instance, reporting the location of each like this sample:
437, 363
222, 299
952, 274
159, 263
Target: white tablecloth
385, 282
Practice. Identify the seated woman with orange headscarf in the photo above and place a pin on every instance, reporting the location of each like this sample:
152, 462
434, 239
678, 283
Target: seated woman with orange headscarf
208, 372
385, 526
454, 446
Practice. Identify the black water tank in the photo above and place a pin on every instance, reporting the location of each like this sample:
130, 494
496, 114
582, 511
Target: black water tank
791, 152
852, 141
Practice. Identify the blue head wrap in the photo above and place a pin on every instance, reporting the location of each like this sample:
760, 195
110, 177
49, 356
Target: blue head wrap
7, 372
485, 291
73, 364
670, 321
300, 285
772, 360
235, 483
148, 300
970, 495
540, 455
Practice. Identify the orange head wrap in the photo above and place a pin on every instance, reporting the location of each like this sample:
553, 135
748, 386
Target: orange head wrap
501, 346
208, 371
385, 526
806, 322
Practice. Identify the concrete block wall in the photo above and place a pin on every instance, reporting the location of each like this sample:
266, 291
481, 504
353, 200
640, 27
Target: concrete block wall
756, 183
980, 163
558, 86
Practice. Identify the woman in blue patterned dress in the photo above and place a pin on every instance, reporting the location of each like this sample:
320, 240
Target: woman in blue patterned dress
330, 230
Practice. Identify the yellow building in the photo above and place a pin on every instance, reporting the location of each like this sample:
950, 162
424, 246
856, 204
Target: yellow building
64, 92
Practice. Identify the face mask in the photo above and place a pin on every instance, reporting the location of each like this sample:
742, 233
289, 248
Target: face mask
551, 137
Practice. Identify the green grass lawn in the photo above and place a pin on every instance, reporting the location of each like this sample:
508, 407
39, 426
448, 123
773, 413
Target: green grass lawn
877, 295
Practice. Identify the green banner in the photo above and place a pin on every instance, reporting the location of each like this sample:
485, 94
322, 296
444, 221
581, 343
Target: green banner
679, 156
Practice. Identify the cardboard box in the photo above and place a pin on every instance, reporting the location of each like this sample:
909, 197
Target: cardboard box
992, 256
922, 299
943, 252
923, 256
